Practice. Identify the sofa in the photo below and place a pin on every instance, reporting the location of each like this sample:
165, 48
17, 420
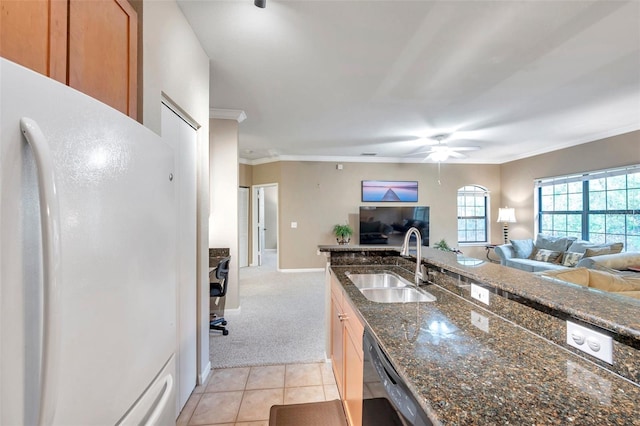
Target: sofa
559, 253
605, 281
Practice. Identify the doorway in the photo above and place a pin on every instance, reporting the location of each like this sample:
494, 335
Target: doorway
243, 227
264, 222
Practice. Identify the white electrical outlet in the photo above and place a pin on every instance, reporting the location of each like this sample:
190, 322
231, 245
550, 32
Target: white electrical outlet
480, 321
479, 293
294, 225
592, 342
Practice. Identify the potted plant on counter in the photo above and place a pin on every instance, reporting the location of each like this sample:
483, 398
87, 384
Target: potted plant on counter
444, 246
343, 233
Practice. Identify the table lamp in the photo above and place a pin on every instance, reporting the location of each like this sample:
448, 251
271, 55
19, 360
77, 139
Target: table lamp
506, 216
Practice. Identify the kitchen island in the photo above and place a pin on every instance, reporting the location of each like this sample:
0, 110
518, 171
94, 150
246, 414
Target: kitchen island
505, 362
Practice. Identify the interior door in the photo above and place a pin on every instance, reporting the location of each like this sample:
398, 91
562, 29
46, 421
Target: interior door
182, 138
243, 227
261, 224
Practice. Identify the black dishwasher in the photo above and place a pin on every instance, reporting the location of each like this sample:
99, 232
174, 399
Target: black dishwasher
386, 400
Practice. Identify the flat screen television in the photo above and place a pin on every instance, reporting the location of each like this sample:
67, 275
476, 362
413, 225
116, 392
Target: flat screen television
388, 225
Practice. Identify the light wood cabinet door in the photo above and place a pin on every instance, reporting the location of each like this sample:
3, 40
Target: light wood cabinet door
337, 344
103, 52
33, 33
346, 352
353, 361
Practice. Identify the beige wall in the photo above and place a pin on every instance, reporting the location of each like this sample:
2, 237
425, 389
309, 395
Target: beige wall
266, 173
224, 180
244, 175
518, 176
174, 64
317, 196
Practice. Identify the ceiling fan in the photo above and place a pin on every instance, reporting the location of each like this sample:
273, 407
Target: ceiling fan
441, 152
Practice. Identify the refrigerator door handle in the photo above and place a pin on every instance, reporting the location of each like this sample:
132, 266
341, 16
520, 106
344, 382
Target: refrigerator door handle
162, 404
50, 225
156, 406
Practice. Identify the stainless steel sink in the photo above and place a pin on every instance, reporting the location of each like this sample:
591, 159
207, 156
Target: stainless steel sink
386, 287
381, 280
397, 295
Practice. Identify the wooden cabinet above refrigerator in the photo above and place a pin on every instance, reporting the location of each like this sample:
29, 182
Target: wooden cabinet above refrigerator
88, 45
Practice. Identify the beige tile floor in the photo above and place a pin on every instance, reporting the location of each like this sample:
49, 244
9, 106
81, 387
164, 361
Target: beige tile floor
243, 396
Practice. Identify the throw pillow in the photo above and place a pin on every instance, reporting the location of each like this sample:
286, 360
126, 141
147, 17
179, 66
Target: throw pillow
571, 259
612, 248
522, 248
549, 256
579, 246
547, 242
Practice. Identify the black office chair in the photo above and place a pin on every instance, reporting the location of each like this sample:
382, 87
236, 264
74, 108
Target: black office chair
219, 289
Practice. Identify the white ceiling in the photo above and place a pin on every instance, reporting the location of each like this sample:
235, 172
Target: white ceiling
328, 80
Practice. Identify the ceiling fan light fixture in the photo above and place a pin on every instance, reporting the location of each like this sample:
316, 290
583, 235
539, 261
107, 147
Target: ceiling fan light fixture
439, 156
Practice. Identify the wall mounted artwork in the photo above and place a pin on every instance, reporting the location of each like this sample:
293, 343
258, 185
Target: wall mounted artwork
390, 191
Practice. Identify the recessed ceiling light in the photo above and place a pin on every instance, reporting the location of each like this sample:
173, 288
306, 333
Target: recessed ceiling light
369, 154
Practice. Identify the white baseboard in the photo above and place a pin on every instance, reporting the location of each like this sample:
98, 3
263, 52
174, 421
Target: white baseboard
302, 270
204, 375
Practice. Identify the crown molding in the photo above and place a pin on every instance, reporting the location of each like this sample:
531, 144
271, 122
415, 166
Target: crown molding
354, 159
228, 114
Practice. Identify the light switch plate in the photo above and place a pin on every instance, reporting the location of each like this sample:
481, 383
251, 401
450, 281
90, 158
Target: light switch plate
294, 225
590, 341
479, 293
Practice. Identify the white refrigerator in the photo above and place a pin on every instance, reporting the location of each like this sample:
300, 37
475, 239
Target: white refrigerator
87, 260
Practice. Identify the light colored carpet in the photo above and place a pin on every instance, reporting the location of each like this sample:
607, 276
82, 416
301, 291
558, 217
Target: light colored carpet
281, 320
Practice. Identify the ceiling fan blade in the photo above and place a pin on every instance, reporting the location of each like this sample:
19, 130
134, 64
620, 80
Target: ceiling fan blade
464, 148
419, 153
455, 154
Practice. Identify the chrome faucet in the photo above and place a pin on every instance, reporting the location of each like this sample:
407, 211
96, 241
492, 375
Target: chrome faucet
404, 251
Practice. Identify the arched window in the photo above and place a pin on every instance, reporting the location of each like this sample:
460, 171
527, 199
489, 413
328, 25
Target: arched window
472, 214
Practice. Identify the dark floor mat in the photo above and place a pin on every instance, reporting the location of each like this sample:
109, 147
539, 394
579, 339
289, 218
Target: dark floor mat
327, 413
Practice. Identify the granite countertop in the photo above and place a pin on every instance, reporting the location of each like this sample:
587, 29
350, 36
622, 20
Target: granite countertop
467, 365
606, 310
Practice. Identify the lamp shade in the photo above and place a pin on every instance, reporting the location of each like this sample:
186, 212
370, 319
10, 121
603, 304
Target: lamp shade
506, 215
